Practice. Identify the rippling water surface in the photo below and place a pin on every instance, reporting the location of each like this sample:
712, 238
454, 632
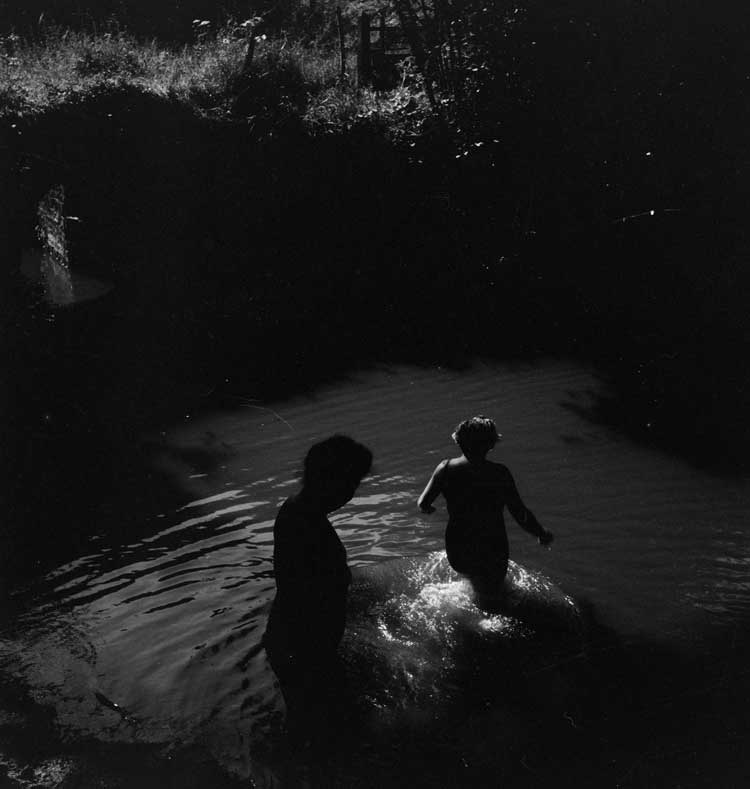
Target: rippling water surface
156, 638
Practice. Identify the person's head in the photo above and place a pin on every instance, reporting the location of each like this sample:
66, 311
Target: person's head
334, 468
476, 436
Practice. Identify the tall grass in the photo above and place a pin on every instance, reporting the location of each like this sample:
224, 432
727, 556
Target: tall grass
65, 64
37, 76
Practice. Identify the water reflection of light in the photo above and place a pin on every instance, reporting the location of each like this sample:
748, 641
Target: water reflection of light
497, 624
204, 519
61, 286
380, 479
446, 595
227, 494
382, 498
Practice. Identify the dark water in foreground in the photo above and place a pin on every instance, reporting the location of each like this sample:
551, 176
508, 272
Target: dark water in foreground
154, 640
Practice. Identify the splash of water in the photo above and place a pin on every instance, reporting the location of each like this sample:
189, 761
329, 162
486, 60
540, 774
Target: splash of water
416, 629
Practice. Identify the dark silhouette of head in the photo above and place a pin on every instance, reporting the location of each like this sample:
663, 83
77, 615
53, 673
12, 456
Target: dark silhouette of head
334, 468
476, 436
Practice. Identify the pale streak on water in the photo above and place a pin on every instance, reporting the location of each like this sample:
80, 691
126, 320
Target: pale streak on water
167, 625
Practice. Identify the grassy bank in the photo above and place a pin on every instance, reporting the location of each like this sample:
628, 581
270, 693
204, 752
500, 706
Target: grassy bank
286, 77
67, 65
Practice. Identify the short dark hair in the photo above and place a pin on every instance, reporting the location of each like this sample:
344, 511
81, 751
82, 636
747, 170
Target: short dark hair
476, 435
337, 456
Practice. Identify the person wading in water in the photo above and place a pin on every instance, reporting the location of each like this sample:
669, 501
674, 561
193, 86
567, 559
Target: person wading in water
308, 615
476, 491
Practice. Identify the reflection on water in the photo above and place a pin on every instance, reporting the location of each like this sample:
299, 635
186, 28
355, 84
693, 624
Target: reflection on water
156, 639
50, 266
61, 287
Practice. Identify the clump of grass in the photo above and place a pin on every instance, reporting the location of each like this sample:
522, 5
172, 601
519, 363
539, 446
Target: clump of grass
318, 66
282, 80
400, 112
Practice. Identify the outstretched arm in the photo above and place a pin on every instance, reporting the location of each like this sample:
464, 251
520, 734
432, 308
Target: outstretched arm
433, 490
523, 516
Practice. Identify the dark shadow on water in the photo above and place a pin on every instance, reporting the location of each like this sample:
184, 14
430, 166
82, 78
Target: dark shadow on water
34, 753
689, 402
636, 713
657, 311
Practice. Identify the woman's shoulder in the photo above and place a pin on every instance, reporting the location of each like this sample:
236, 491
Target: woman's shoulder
451, 463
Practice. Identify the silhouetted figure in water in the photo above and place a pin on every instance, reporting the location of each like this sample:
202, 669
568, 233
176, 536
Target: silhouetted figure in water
308, 615
476, 491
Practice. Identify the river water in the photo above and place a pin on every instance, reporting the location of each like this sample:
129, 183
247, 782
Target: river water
152, 636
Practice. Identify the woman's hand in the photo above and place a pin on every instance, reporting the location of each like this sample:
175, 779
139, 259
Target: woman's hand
546, 537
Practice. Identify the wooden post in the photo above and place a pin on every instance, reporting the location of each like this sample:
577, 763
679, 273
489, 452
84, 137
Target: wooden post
382, 32
364, 57
246, 66
342, 42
